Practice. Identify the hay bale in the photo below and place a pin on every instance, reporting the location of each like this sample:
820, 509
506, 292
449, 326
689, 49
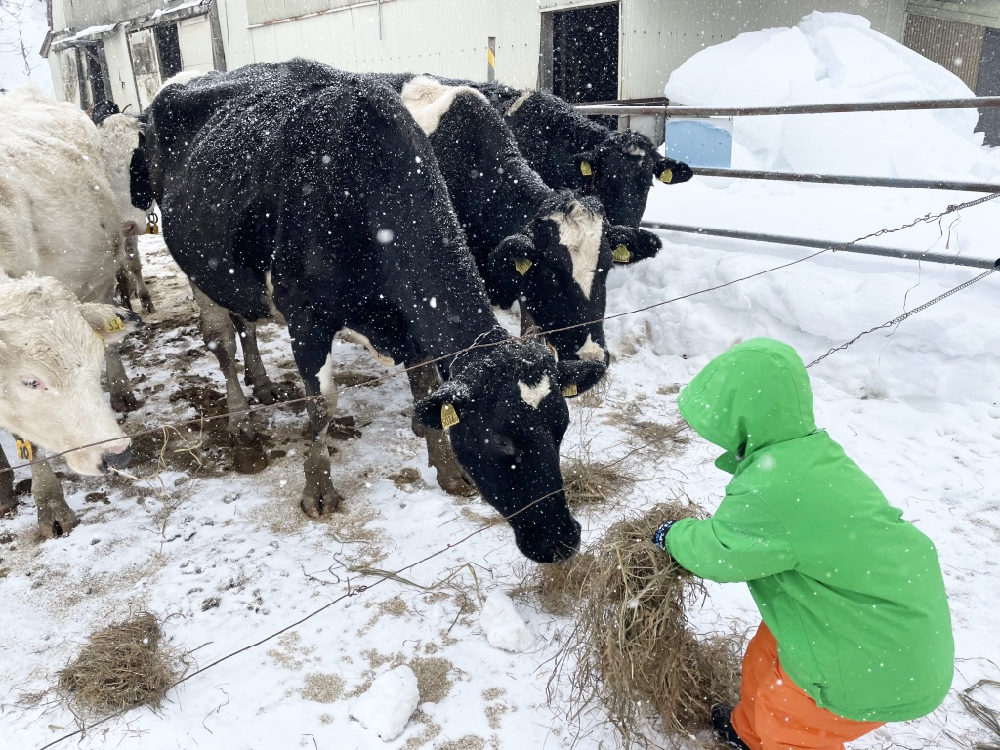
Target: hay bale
122, 666
631, 647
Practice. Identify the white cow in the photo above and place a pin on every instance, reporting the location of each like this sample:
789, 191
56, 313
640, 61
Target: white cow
51, 355
59, 212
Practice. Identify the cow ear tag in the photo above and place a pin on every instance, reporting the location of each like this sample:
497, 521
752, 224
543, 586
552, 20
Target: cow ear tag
570, 390
585, 169
24, 451
522, 265
449, 417
667, 176
152, 224
622, 254
114, 324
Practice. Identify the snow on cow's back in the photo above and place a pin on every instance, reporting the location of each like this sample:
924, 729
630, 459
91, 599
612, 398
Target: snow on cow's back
428, 100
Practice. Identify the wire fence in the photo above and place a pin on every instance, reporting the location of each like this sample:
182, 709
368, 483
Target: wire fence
926, 218
358, 590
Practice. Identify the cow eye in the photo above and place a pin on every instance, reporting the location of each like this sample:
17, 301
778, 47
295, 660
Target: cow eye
33, 383
504, 444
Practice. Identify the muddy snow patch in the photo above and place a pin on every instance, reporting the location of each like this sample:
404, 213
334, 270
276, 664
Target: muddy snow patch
386, 707
503, 625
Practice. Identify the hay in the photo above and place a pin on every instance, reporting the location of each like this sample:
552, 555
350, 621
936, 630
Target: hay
631, 648
123, 666
588, 481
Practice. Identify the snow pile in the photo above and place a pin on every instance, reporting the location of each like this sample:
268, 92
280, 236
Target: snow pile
503, 625
386, 707
836, 57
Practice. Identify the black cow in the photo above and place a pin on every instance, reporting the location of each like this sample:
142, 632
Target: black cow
544, 247
323, 178
570, 151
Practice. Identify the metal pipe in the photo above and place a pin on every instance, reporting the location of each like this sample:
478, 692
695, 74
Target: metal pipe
840, 179
788, 109
780, 239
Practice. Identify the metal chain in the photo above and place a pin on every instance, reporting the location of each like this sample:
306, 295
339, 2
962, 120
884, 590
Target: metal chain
904, 316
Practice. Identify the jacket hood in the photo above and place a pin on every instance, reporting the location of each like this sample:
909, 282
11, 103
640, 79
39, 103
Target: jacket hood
754, 395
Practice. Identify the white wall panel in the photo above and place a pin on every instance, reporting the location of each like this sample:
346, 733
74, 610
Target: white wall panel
195, 38
116, 53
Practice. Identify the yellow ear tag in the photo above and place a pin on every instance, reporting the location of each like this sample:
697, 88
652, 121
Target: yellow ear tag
667, 176
585, 169
152, 224
522, 265
23, 448
622, 254
570, 390
449, 417
114, 324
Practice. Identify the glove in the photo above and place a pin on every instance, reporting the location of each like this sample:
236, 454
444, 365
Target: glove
660, 535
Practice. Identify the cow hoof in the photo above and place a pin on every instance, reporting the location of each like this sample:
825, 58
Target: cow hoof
124, 402
316, 505
147, 303
268, 392
55, 525
460, 486
8, 510
249, 459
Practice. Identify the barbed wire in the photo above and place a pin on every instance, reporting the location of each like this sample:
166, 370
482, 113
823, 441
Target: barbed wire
375, 380
354, 591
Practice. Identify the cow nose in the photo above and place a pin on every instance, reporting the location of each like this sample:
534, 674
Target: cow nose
131, 229
117, 460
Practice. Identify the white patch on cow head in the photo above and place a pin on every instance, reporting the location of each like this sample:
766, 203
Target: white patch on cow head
428, 100
590, 350
50, 374
517, 105
185, 76
533, 395
636, 151
581, 232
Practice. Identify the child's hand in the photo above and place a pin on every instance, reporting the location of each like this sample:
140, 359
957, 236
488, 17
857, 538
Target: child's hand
660, 535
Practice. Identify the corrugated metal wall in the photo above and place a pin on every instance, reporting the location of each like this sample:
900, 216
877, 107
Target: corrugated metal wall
953, 45
80, 14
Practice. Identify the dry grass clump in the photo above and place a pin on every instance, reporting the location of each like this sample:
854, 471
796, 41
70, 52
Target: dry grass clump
631, 648
588, 481
122, 666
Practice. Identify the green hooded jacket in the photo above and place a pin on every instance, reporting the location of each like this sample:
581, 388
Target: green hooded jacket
853, 593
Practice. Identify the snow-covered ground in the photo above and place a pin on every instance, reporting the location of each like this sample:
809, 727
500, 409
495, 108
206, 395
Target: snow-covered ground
226, 560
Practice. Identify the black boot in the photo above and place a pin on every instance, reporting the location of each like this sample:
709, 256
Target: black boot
724, 728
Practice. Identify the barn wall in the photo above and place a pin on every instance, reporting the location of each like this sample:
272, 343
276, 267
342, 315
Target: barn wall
658, 36
195, 37
427, 36
953, 45
116, 51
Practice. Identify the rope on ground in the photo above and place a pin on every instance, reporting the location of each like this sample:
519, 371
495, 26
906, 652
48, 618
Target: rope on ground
904, 316
987, 716
926, 218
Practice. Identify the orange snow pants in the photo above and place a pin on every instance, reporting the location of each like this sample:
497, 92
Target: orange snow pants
775, 714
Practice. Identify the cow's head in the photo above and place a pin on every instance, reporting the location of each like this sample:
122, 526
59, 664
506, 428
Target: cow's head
50, 381
558, 271
506, 416
621, 170
122, 144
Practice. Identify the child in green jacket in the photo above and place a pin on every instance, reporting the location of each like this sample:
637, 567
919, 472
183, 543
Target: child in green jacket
856, 630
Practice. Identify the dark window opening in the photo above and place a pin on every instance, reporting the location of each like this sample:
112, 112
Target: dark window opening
585, 54
168, 49
988, 84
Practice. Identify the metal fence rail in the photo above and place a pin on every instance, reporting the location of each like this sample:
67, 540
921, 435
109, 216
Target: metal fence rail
842, 179
780, 239
786, 109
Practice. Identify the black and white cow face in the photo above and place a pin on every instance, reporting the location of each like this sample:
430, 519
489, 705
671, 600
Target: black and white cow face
506, 417
139, 183
558, 271
621, 171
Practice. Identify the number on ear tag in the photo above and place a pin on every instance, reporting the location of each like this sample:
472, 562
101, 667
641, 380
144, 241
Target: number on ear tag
114, 324
667, 176
24, 451
570, 390
585, 169
622, 254
522, 265
449, 417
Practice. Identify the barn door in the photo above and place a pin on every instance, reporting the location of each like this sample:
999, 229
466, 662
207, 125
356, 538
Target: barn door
144, 65
988, 84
